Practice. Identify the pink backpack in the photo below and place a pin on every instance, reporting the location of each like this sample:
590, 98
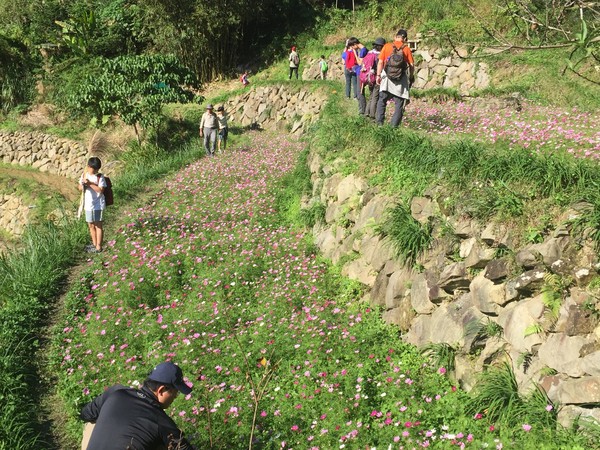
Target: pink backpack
369, 67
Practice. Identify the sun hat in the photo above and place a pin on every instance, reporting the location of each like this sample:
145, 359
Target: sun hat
379, 41
170, 373
209, 106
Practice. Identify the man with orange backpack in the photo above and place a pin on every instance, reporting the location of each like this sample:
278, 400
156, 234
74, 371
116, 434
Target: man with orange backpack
395, 75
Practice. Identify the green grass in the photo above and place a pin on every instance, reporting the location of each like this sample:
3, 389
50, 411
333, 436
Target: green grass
30, 280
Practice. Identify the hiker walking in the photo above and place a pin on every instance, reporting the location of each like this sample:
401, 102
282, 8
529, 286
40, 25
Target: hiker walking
294, 62
352, 58
323, 67
367, 79
208, 130
223, 129
135, 418
244, 79
395, 75
92, 185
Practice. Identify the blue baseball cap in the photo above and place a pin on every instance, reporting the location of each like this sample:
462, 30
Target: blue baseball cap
170, 373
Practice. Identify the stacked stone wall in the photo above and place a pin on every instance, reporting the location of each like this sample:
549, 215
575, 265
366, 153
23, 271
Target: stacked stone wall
434, 68
464, 284
43, 152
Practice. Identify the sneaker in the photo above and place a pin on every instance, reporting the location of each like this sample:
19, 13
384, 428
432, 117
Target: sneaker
94, 250
89, 247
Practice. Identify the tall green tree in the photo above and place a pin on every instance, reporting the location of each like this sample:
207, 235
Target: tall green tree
134, 88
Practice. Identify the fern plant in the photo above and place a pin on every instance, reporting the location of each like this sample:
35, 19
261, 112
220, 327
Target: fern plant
440, 354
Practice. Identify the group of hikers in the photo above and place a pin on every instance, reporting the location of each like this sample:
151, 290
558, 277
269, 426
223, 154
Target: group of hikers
387, 71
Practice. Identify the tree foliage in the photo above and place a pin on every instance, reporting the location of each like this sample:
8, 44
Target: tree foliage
15, 76
132, 87
570, 24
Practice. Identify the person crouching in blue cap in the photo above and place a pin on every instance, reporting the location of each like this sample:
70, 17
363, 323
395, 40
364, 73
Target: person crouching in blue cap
135, 418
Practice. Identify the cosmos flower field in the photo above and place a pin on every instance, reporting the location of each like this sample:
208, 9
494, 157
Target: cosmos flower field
539, 128
279, 351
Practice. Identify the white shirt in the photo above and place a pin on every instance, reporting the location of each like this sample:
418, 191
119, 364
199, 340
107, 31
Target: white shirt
93, 200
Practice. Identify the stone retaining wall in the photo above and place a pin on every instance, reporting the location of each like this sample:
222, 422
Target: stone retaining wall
276, 107
44, 152
14, 214
463, 283
433, 68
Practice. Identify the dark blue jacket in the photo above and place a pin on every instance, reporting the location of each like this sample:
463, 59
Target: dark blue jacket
131, 419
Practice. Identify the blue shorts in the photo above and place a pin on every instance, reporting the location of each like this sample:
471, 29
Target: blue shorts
223, 134
93, 216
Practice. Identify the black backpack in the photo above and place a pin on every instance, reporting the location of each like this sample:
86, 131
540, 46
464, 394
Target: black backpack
108, 192
396, 65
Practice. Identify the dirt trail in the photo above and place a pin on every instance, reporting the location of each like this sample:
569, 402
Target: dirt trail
66, 187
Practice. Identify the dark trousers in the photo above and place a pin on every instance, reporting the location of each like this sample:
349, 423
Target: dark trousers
292, 70
371, 109
384, 96
351, 81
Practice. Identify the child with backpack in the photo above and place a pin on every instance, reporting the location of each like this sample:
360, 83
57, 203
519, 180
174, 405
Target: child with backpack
366, 79
323, 67
92, 184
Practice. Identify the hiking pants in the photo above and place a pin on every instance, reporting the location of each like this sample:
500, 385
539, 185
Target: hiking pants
210, 140
351, 80
292, 70
371, 110
362, 100
384, 96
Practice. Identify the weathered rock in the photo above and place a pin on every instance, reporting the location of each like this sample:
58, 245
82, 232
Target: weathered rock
578, 320
569, 414
515, 320
372, 212
380, 288
423, 209
590, 364
454, 277
383, 252
466, 247
401, 315
419, 295
349, 187
446, 324
360, 270
497, 269
581, 391
334, 212
562, 352
530, 281
326, 241
479, 256
463, 228
487, 296
398, 287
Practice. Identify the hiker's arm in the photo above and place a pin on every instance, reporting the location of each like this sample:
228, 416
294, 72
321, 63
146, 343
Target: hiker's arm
411, 68
93, 186
379, 70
